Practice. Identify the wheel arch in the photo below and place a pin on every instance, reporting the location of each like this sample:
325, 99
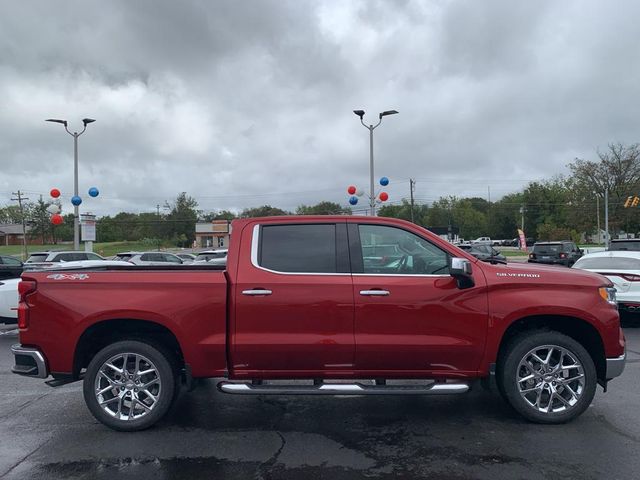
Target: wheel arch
578, 329
100, 334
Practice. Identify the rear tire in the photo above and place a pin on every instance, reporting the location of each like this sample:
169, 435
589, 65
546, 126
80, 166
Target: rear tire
130, 385
547, 377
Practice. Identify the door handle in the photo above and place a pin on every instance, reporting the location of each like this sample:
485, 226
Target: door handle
374, 293
257, 291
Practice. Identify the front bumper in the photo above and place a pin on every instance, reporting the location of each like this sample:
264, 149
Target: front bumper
615, 366
29, 362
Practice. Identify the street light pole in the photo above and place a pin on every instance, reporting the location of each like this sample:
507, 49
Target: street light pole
371, 128
76, 208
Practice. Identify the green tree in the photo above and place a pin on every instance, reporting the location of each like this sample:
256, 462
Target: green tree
181, 220
323, 208
263, 211
403, 211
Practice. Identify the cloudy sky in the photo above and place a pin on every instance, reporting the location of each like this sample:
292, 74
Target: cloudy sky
244, 103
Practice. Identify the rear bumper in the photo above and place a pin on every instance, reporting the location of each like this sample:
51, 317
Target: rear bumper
615, 366
29, 362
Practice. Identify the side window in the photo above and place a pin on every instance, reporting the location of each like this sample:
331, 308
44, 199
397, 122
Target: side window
93, 256
298, 248
393, 251
171, 258
147, 257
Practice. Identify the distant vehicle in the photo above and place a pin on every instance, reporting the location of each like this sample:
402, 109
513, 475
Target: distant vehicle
629, 244
10, 267
486, 253
623, 269
44, 259
379, 255
149, 258
213, 257
186, 257
9, 300
563, 252
481, 241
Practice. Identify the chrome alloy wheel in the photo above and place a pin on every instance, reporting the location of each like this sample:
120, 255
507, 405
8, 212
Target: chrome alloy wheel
127, 386
550, 379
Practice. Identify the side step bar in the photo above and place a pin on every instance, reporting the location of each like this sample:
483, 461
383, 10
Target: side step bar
343, 389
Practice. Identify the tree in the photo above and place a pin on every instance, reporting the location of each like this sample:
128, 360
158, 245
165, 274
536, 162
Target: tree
181, 220
39, 220
263, 211
323, 208
618, 171
403, 211
10, 214
218, 215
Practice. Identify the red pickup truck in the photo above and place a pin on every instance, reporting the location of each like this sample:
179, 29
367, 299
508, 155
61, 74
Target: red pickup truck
307, 306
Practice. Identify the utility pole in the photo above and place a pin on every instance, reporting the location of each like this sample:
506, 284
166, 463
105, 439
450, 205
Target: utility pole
412, 186
598, 217
606, 218
158, 227
20, 198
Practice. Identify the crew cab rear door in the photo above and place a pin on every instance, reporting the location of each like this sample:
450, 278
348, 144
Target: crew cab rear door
410, 316
293, 300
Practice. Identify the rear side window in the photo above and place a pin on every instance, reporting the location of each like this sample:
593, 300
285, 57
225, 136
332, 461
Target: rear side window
37, 258
69, 257
298, 248
10, 261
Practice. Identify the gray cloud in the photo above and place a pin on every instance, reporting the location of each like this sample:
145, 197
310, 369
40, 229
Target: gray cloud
246, 103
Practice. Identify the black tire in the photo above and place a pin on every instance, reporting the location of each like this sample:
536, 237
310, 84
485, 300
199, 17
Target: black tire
510, 368
165, 386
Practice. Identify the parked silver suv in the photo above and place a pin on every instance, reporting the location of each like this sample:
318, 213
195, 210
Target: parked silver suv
149, 258
39, 260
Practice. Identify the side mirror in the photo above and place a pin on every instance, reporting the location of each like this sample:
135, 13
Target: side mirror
460, 269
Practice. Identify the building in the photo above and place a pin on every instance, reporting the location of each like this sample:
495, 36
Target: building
11, 234
214, 234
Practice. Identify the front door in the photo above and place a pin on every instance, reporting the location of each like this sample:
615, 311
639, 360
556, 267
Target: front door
410, 315
293, 301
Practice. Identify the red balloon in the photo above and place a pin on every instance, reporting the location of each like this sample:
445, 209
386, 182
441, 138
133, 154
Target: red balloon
384, 196
351, 190
55, 193
57, 219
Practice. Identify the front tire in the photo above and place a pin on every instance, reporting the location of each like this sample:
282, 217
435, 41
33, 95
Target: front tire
129, 385
547, 377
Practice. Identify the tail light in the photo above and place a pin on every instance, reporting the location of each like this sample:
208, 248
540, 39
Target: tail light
25, 288
532, 255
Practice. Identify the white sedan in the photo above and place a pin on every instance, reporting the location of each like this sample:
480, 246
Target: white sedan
623, 269
9, 300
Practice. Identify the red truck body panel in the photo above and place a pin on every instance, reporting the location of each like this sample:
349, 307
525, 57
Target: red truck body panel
319, 325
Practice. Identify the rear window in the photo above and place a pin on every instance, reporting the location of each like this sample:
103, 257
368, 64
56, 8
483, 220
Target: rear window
630, 245
549, 249
298, 248
37, 257
209, 255
608, 263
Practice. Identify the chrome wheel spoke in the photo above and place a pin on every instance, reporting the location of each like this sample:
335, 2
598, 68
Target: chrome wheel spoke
552, 374
137, 374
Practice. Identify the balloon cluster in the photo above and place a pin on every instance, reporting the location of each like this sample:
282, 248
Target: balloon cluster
357, 192
55, 209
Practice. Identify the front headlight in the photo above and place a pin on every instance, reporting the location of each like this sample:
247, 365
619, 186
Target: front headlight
608, 294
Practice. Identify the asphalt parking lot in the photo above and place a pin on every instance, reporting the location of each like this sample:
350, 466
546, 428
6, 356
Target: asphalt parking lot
48, 433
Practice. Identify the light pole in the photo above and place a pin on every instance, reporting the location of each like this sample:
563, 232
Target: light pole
371, 128
76, 208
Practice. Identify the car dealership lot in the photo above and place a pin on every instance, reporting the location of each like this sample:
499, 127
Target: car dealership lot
48, 433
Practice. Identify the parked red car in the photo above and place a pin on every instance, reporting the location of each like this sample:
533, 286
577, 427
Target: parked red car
297, 301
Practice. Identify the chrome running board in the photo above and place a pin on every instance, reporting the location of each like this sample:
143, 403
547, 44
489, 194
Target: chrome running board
436, 388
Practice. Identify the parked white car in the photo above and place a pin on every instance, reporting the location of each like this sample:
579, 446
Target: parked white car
149, 258
623, 269
9, 300
213, 257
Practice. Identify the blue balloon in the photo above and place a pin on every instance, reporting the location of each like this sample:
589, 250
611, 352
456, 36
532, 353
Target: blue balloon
384, 181
94, 192
76, 200
353, 200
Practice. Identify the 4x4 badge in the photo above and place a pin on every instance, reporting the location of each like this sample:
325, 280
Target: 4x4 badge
68, 276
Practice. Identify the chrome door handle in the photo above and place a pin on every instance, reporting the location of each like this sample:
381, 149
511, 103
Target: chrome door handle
257, 292
374, 293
